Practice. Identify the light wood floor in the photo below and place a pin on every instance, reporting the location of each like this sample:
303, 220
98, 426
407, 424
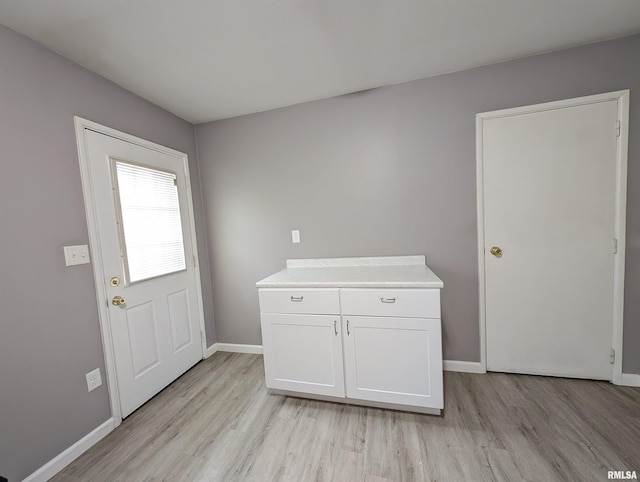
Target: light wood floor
218, 423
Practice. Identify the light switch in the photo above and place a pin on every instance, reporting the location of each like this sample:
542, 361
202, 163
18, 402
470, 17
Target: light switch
74, 255
295, 236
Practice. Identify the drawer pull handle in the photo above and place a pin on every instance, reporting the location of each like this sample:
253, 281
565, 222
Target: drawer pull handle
348, 332
335, 327
297, 299
388, 300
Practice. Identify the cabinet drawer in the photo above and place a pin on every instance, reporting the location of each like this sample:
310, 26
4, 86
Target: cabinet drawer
406, 303
325, 301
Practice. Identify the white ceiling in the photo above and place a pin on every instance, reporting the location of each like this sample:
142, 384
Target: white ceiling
212, 59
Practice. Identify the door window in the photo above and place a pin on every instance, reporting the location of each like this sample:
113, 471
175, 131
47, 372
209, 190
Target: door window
149, 223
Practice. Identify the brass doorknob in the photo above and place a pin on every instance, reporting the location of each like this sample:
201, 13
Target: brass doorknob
118, 300
496, 251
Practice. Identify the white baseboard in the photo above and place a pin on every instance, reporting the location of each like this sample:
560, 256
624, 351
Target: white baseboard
463, 366
59, 462
211, 350
235, 348
630, 380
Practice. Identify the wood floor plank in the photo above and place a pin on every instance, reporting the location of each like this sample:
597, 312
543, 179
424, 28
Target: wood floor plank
219, 423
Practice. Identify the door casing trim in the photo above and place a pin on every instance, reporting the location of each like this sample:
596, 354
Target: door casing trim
622, 98
81, 126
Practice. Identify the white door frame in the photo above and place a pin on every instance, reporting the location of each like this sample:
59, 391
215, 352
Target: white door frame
83, 125
622, 98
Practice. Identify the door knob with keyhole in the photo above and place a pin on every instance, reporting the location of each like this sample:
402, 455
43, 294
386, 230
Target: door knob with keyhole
118, 300
496, 251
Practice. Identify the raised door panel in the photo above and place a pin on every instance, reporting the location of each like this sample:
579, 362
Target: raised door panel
141, 351
180, 320
142, 327
393, 360
303, 353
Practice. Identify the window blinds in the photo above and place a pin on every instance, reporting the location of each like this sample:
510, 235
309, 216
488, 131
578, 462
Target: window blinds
150, 224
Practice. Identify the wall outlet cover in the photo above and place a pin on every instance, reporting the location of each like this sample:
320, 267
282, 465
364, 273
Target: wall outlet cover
74, 255
94, 380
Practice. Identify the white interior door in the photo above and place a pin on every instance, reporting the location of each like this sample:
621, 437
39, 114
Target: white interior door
146, 254
549, 205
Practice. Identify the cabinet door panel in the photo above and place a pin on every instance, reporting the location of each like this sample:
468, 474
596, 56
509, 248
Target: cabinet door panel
303, 353
393, 360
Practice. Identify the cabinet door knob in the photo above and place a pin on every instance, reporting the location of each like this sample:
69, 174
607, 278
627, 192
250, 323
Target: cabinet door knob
348, 332
335, 327
496, 251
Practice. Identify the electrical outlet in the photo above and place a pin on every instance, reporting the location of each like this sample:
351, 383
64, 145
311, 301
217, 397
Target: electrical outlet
295, 236
94, 380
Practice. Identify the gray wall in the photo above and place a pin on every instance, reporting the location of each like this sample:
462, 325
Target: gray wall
49, 333
389, 171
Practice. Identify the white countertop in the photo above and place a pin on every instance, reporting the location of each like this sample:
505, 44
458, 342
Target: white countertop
374, 272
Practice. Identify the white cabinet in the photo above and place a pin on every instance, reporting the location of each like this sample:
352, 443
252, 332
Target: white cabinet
304, 351
392, 345
393, 360
303, 300
378, 347
406, 303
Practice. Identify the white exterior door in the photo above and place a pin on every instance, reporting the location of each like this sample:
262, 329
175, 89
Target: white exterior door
549, 206
146, 255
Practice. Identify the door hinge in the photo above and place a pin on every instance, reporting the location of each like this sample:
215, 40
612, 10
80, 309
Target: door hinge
618, 128
615, 245
612, 356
